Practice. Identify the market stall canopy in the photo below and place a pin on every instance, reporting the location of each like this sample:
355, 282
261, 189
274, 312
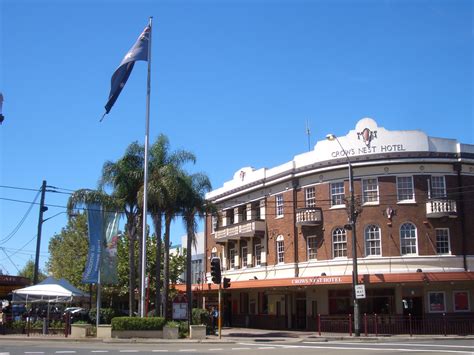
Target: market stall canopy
49, 290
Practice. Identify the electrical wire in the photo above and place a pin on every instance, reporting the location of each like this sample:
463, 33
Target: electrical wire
20, 223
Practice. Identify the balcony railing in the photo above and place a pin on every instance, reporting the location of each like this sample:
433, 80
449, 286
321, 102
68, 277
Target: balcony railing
243, 229
441, 208
312, 216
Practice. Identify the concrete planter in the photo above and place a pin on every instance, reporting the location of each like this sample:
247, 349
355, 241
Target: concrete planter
197, 332
104, 331
80, 330
170, 332
127, 334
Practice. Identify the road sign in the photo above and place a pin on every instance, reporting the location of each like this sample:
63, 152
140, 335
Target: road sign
360, 291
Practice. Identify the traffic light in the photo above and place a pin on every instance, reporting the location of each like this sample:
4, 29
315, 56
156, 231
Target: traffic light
216, 270
226, 282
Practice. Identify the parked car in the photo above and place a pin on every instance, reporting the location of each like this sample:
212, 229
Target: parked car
77, 313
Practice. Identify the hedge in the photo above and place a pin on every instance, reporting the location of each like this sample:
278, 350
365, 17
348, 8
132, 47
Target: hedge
135, 323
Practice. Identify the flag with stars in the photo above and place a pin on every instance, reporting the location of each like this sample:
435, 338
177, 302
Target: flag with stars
139, 51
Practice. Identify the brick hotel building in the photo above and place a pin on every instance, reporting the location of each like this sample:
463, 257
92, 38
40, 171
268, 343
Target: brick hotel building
283, 238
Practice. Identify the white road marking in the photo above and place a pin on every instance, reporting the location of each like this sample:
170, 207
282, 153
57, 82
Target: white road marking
266, 347
66, 352
159, 351
32, 352
405, 344
240, 348
182, 350
129, 351
6, 353
99, 351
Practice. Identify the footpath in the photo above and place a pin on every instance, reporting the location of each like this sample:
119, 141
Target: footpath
237, 335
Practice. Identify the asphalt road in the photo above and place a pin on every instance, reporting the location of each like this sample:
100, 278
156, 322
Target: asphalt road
465, 346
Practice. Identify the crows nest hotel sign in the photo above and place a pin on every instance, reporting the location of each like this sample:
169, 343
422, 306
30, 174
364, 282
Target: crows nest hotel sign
369, 138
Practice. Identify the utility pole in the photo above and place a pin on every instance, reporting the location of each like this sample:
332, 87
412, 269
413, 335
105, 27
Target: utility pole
42, 209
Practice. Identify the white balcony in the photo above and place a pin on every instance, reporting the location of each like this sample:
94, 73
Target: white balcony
243, 229
309, 216
441, 208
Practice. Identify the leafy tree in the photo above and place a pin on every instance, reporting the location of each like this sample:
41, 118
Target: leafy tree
28, 271
193, 190
165, 166
68, 251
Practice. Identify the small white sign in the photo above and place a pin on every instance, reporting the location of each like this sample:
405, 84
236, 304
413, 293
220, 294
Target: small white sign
360, 291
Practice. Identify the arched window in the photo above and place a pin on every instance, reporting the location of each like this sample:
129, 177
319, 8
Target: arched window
280, 246
408, 244
339, 243
372, 240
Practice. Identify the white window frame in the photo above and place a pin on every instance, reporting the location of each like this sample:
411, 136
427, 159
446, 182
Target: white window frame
213, 253
258, 254
310, 196
339, 233
447, 241
279, 206
399, 199
231, 258
336, 194
312, 249
404, 239
441, 185
372, 240
244, 256
366, 191
280, 249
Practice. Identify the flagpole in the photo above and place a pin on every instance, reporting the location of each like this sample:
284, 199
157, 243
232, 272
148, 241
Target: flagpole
145, 182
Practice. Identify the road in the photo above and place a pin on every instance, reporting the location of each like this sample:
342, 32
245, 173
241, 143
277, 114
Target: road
461, 346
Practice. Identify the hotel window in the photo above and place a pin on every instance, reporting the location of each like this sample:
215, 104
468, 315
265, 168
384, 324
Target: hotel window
279, 205
438, 187
372, 240
312, 248
370, 190
244, 256
280, 247
258, 254
310, 197
337, 193
214, 220
405, 191
231, 258
408, 239
442, 241
339, 243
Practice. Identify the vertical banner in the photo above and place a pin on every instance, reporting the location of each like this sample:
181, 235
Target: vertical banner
95, 227
109, 259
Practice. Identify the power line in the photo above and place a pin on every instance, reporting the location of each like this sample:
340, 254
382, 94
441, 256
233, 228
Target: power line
20, 223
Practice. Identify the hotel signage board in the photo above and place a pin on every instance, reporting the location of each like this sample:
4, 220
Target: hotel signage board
308, 281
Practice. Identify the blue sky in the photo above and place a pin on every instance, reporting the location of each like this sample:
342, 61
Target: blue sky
232, 81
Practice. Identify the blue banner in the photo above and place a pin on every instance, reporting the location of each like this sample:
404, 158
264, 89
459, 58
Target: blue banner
95, 226
109, 259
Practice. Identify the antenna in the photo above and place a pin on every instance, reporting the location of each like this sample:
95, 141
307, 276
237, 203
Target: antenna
308, 133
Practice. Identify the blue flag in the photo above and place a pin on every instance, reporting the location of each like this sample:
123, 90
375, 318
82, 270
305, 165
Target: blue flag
139, 51
95, 227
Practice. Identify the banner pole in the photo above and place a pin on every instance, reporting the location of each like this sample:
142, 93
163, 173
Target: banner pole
145, 182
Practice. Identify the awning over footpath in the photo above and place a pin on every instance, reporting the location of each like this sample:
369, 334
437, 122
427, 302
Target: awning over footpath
49, 290
338, 280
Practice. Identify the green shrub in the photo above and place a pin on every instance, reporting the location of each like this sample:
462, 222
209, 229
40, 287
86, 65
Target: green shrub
172, 324
18, 325
131, 323
37, 325
105, 314
80, 322
57, 324
200, 316
183, 329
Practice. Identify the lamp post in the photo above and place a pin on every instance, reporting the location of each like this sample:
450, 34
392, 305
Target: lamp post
352, 222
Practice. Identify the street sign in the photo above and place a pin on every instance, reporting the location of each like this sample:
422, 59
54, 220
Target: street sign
360, 291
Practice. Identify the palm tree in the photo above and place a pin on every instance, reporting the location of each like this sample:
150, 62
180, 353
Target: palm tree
194, 205
125, 178
164, 169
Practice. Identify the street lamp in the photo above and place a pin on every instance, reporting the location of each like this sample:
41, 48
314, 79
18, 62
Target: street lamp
352, 222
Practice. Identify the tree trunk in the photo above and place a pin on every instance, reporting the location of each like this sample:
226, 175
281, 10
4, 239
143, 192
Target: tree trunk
166, 262
189, 242
157, 225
